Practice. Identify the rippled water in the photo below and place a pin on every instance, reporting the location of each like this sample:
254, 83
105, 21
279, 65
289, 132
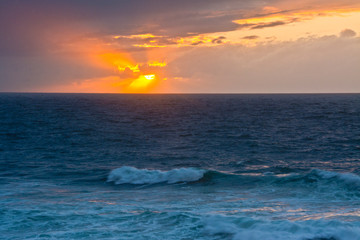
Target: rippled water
180, 166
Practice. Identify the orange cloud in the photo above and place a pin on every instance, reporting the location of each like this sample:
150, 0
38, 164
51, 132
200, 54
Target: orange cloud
157, 64
128, 75
275, 17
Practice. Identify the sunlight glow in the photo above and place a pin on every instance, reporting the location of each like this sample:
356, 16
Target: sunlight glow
157, 64
291, 26
141, 36
145, 45
134, 69
281, 18
141, 84
150, 77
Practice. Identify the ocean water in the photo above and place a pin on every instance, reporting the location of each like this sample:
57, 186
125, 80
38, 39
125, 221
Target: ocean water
243, 167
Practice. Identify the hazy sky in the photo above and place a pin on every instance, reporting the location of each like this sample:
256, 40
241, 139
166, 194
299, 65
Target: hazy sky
187, 46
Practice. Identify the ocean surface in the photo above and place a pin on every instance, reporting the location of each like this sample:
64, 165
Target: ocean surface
243, 167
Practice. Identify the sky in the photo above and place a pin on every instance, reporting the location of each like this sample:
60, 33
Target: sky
187, 46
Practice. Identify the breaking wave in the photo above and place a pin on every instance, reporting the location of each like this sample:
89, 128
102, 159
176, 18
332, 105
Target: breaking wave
132, 175
316, 179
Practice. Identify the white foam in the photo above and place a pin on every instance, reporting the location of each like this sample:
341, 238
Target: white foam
133, 175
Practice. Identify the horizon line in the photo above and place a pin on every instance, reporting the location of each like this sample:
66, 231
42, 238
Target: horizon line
186, 93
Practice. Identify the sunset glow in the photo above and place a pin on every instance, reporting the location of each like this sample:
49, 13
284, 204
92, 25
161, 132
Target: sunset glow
157, 64
279, 17
131, 68
202, 52
141, 84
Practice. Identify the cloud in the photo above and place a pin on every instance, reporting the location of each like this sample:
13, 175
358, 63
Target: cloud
39, 27
218, 40
31, 72
347, 33
266, 25
45, 42
327, 64
251, 37
33, 27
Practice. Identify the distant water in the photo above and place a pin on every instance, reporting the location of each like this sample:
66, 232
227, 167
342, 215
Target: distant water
244, 167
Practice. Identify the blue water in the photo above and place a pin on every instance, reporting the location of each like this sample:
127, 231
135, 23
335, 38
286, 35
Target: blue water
92, 166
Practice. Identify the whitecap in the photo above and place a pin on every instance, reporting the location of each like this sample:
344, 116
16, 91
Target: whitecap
132, 175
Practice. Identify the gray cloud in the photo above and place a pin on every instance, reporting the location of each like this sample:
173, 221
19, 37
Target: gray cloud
251, 37
347, 33
36, 26
328, 64
263, 25
218, 40
32, 72
267, 25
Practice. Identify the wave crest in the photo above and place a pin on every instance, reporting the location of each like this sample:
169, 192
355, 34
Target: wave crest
348, 178
322, 177
132, 175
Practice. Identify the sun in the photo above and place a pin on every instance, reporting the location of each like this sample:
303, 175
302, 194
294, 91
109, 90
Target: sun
142, 75
142, 84
150, 76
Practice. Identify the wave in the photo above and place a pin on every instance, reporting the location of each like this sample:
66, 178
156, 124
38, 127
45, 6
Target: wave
250, 228
317, 176
348, 178
317, 179
132, 175
288, 176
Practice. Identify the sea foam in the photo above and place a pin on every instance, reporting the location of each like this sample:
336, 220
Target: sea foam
133, 175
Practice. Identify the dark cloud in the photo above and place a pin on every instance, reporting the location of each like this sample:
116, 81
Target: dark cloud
197, 43
267, 25
262, 25
37, 26
251, 37
218, 40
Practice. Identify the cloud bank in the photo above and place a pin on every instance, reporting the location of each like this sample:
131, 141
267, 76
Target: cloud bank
312, 65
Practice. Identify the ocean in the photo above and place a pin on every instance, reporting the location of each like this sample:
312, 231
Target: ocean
187, 166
